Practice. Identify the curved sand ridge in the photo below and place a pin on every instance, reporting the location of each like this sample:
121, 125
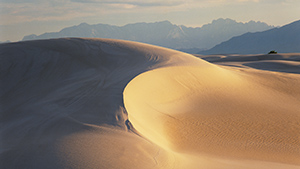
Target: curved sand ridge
222, 112
62, 107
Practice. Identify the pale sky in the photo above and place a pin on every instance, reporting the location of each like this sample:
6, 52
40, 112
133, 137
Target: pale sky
23, 17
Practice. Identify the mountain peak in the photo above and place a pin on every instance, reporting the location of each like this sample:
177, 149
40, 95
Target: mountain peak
84, 24
164, 22
222, 21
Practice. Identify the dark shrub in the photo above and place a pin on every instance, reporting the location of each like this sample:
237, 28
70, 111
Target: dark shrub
272, 52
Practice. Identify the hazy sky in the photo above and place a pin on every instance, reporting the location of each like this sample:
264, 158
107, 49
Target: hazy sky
24, 17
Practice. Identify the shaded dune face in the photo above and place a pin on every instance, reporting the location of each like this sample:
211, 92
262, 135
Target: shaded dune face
51, 89
65, 77
219, 112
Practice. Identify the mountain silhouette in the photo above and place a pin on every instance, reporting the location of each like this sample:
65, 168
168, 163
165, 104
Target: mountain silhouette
162, 33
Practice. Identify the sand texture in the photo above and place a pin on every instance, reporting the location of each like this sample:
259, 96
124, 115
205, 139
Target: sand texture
112, 104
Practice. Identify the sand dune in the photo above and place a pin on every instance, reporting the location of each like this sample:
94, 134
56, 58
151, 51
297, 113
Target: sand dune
101, 103
218, 112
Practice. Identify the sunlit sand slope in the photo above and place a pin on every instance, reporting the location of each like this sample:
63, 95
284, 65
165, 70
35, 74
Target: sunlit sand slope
219, 111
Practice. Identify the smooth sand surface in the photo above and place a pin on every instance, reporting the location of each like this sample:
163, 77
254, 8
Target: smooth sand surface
101, 103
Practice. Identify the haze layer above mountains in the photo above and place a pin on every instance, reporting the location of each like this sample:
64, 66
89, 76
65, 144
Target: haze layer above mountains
163, 33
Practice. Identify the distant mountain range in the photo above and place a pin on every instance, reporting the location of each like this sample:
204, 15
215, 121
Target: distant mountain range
163, 33
285, 39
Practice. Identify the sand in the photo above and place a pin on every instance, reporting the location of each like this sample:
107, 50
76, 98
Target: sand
102, 103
